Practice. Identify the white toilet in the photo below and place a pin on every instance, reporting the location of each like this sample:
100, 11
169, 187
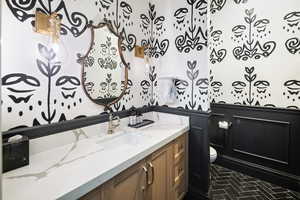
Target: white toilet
213, 154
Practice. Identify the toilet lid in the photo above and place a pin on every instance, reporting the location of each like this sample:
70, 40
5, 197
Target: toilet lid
212, 151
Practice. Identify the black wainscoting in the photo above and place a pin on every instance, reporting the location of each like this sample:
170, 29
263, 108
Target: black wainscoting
262, 142
55, 128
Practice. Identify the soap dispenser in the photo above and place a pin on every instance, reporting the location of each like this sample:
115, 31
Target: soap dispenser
139, 117
132, 117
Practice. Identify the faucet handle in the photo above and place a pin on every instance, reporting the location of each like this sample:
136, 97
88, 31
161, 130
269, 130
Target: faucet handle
116, 121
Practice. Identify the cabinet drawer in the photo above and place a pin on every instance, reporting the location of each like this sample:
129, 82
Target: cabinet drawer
179, 172
179, 148
180, 191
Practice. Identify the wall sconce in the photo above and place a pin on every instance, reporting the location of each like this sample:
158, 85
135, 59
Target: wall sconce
139, 51
48, 25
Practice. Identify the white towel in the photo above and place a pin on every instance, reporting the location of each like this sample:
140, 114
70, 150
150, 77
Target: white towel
167, 91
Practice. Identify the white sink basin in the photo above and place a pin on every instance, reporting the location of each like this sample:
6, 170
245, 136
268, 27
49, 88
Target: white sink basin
123, 140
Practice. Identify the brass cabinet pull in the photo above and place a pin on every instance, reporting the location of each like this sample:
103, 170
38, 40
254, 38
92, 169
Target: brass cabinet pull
177, 155
152, 174
180, 147
147, 177
152, 170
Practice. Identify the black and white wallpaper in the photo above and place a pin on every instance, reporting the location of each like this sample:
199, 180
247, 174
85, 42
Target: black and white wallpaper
41, 83
192, 93
186, 57
175, 35
227, 51
254, 49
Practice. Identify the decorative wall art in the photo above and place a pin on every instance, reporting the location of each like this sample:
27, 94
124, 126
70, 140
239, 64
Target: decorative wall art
292, 92
49, 67
121, 14
251, 90
127, 97
72, 22
193, 91
275, 36
192, 26
293, 45
38, 94
216, 5
148, 93
240, 1
292, 26
216, 90
268, 40
217, 53
128, 17
251, 36
188, 24
152, 26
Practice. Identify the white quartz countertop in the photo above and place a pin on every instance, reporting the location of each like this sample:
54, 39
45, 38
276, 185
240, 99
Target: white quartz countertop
70, 164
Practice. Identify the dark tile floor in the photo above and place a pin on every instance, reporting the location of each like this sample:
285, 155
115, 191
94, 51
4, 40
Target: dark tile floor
231, 185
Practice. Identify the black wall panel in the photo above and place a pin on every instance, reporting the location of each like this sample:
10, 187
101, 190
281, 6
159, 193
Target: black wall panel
263, 142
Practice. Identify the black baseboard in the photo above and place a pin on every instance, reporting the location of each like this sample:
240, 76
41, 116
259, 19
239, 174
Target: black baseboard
195, 194
264, 173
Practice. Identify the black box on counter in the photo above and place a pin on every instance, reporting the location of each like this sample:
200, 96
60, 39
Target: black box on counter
15, 153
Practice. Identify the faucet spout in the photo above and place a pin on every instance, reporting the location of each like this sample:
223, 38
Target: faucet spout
113, 123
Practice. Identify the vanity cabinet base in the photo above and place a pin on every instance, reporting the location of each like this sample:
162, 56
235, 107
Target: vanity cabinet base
160, 176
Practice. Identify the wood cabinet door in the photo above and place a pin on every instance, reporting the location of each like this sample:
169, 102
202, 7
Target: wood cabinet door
158, 181
96, 194
129, 185
180, 167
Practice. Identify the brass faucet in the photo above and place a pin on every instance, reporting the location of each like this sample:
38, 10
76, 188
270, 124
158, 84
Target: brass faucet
113, 122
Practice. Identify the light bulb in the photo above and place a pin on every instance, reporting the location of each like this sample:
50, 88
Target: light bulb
60, 50
55, 47
147, 65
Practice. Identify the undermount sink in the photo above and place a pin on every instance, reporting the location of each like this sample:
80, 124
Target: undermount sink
123, 140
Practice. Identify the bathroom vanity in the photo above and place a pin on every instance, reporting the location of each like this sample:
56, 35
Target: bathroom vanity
87, 163
159, 176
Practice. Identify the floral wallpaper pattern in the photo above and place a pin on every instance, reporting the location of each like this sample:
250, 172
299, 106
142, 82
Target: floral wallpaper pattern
143, 22
198, 93
42, 89
250, 35
188, 23
152, 26
263, 68
224, 51
186, 58
73, 22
